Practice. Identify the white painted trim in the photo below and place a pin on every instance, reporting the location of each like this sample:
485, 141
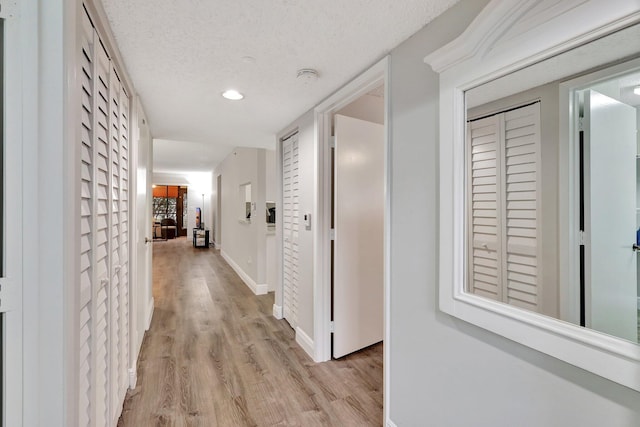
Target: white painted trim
390, 423
304, 341
277, 311
262, 289
150, 308
257, 289
609, 357
373, 77
133, 378
19, 45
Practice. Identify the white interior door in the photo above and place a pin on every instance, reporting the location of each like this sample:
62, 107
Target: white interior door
610, 215
358, 282
290, 229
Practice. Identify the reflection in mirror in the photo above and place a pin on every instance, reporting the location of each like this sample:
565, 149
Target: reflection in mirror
515, 194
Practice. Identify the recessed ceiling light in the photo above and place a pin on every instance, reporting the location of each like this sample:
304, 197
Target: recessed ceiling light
636, 90
232, 94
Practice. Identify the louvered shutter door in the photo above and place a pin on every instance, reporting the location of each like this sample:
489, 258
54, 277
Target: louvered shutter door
87, 282
485, 272
504, 206
114, 141
124, 244
102, 263
522, 143
290, 220
103, 329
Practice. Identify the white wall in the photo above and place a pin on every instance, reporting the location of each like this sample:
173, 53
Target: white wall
445, 372
244, 243
367, 107
271, 195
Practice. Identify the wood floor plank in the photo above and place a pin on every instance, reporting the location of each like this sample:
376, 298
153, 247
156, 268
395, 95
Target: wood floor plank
215, 356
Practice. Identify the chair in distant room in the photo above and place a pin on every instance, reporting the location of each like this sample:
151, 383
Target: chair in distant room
169, 228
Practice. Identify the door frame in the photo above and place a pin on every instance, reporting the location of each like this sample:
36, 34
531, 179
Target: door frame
16, 99
569, 185
373, 77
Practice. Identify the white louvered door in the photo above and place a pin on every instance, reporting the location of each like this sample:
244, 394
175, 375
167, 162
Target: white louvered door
290, 226
103, 336
505, 206
123, 372
87, 221
485, 218
114, 137
102, 233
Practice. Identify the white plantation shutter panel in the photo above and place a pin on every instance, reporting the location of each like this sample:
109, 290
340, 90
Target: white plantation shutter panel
522, 143
504, 206
114, 143
102, 200
485, 221
124, 245
291, 224
87, 279
103, 276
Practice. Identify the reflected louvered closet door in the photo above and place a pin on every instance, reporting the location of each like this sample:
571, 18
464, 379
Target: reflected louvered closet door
522, 148
103, 294
290, 226
504, 206
485, 225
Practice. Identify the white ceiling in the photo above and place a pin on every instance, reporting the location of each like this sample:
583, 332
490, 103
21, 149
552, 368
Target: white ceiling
182, 54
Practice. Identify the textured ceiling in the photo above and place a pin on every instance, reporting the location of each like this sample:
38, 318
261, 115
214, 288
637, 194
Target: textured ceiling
182, 54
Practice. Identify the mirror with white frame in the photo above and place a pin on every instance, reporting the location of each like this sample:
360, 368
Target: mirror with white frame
525, 177
537, 225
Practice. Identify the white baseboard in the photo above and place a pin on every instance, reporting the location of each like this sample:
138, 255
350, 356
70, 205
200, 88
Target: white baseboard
305, 342
277, 311
258, 289
150, 314
262, 289
133, 378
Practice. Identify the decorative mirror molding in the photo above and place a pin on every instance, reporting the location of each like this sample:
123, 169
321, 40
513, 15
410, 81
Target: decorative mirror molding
508, 36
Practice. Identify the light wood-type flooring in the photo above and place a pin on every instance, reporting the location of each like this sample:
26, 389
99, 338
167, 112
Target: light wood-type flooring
215, 356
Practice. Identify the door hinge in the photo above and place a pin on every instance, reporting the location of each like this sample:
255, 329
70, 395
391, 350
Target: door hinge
332, 142
8, 295
332, 234
581, 237
580, 124
332, 328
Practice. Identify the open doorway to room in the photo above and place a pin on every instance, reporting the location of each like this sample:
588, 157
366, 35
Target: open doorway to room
352, 257
357, 247
170, 208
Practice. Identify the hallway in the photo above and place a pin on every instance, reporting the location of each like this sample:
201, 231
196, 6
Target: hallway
215, 356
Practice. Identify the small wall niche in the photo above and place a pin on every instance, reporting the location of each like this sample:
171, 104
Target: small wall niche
246, 204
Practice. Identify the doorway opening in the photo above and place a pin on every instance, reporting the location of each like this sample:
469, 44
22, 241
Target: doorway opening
357, 221
353, 115
609, 205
